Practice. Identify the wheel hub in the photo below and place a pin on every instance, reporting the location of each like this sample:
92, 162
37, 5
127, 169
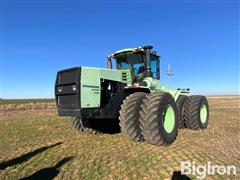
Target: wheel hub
203, 113
168, 119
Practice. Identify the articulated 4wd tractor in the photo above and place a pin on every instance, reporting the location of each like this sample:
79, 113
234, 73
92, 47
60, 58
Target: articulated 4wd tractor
132, 93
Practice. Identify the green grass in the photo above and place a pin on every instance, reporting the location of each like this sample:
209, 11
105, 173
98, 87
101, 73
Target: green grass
38, 142
24, 101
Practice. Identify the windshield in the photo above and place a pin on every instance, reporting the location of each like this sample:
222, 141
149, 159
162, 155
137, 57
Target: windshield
134, 62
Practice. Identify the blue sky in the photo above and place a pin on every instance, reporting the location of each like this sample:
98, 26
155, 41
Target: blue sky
199, 40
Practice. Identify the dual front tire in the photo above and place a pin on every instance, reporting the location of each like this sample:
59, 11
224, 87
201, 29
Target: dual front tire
151, 117
129, 116
156, 117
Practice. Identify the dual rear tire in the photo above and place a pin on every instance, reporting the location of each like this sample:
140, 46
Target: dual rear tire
198, 113
193, 112
83, 125
183, 110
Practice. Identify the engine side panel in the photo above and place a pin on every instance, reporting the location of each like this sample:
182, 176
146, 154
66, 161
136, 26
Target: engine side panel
91, 84
90, 88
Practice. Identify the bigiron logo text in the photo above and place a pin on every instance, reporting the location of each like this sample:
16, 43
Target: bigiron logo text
201, 171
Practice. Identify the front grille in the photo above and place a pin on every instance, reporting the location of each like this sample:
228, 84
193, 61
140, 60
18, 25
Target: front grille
67, 88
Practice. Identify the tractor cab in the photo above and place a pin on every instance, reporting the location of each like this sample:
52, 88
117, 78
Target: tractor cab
141, 61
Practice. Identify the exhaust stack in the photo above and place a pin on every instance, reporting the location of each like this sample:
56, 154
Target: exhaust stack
109, 62
147, 51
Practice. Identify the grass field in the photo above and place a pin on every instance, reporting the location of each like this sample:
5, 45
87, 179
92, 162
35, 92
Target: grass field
36, 143
24, 101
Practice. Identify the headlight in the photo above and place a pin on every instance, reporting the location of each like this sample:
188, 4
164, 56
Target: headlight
59, 89
136, 84
74, 88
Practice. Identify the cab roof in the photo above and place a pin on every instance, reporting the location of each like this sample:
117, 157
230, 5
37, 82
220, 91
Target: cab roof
132, 50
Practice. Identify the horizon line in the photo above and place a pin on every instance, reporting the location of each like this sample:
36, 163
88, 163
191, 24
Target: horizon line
54, 97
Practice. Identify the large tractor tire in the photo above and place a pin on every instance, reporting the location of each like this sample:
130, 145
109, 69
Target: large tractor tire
183, 110
158, 118
83, 125
199, 113
129, 116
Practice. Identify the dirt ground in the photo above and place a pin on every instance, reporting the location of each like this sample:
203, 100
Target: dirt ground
36, 143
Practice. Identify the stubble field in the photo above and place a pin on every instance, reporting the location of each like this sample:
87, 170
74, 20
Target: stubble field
36, 143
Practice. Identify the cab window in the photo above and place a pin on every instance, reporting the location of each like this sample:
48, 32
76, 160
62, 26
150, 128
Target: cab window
154, 67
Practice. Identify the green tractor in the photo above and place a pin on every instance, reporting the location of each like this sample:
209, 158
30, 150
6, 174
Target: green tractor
131, 93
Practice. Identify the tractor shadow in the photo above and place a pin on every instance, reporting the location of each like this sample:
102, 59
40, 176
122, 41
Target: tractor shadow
48, 173
25, 157
178, 176
108, 126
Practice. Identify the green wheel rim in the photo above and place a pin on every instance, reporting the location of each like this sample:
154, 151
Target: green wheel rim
203, 113
168, 119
